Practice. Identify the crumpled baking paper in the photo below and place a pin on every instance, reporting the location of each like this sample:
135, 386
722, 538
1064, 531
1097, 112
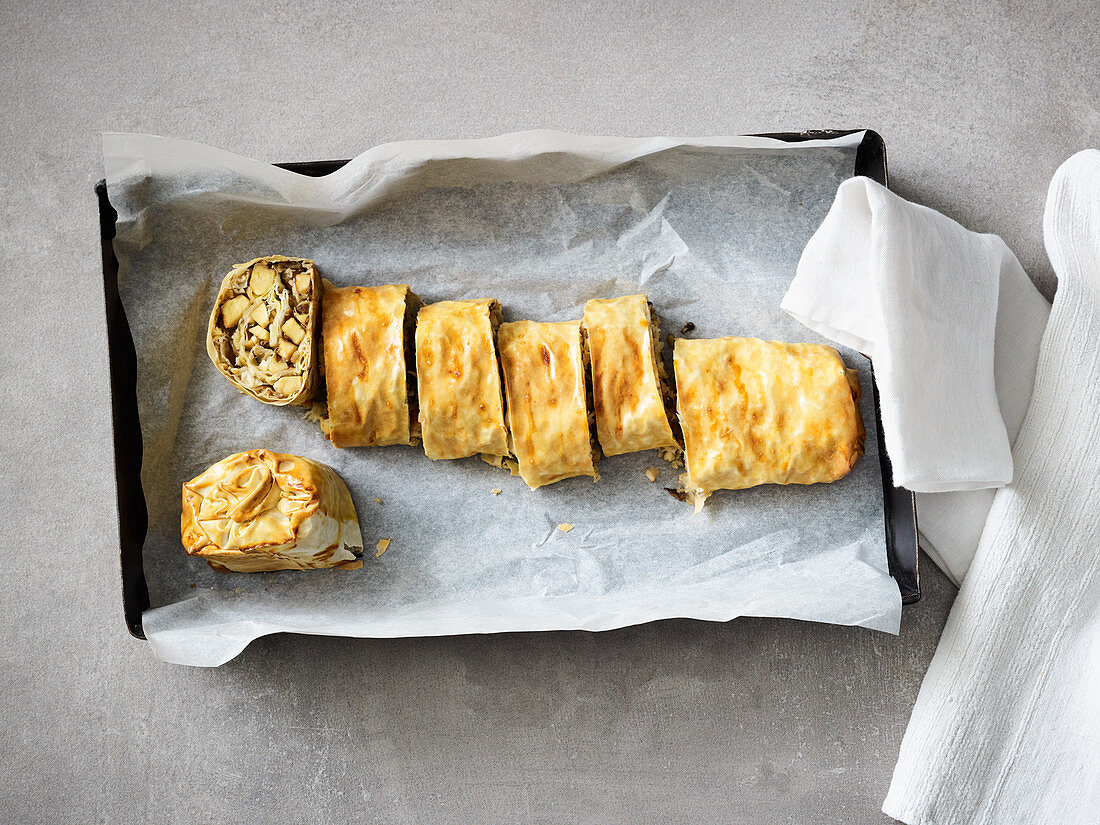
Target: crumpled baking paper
711, 229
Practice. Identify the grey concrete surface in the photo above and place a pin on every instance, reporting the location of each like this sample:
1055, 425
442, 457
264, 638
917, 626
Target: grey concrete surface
755, 721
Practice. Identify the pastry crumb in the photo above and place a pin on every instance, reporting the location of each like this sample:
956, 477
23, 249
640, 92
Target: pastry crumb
237, 590
317, 411
497, 491
378, 500
686, 328
381, 547
565, 526
670, 454
192, 584
651, 473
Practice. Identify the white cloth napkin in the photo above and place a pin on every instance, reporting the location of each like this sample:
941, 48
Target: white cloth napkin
1006, 728
953, 324
951, 523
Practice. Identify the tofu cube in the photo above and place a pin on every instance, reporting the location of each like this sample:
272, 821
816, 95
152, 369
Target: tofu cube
293, 330
261, 280
232, 310
288, 385
286, 349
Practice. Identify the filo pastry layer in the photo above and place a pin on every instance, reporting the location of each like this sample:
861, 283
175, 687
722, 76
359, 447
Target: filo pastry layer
262, 333
260, 510
544, 378
458, 378
629, 386
764, 412
367, 334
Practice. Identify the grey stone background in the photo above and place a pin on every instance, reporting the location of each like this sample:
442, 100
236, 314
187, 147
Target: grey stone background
755, 721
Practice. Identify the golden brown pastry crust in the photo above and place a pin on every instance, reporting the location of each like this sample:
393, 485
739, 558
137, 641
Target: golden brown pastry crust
625, 342
544, 371
262, 333
260, 510
458, 379
366, 332
765, 412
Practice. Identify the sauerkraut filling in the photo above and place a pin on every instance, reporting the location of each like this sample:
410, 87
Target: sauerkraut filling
263, 328
496, 318
594, 443
412, 307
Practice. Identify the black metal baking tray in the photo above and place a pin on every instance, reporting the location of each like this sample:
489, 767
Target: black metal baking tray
899, 504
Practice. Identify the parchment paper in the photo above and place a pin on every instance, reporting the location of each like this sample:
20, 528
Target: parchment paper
710, 229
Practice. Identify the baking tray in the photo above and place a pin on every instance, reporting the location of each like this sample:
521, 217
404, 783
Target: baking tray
898, 504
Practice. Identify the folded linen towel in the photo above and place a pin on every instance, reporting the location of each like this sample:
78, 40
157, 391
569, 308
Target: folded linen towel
1006, 728
953, 324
